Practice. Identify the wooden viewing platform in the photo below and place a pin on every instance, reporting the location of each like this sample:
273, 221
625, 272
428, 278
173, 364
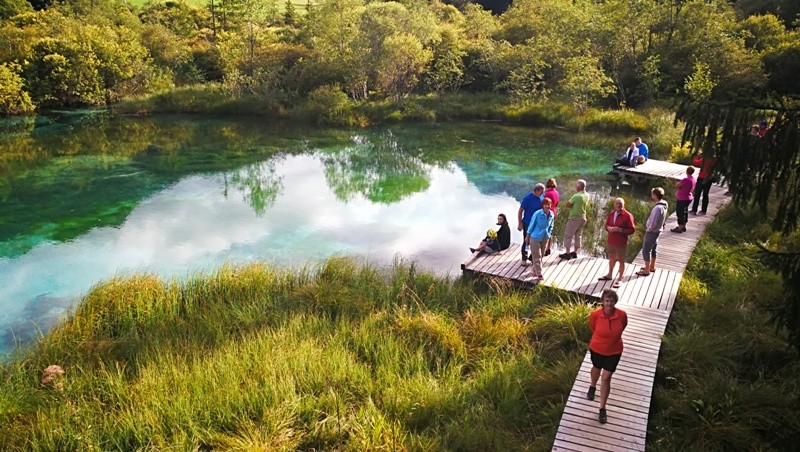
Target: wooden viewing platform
652, 168
648, 302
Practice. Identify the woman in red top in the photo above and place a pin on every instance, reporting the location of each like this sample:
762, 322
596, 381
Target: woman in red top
605, 347
619, 225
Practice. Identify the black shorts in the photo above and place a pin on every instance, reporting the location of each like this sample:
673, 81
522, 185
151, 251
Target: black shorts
608, 363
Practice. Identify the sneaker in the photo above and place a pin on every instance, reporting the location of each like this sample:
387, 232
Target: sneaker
603, 416
573, 255
472, 250
702, 212
547, 253
590, 393
678, 229
565, 255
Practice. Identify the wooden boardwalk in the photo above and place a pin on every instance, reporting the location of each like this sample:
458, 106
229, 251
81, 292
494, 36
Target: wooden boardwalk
653, 168
648, 302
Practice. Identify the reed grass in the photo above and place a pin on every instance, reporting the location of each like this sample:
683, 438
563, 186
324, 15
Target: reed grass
726, 378
329, 105
345, 355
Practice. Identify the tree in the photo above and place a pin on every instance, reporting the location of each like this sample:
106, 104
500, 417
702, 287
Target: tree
447, 70
585, 81
760, 171
64, 73
9, 8
14, 100
404, 60
700, 84
289, 13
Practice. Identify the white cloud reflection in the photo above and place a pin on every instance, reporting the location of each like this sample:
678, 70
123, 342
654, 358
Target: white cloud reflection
191, 226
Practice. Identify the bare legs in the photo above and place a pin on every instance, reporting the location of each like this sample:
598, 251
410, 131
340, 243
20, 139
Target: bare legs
605, 384
612, 261
605, 388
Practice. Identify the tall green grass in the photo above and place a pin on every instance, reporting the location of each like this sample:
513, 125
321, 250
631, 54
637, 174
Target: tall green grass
726, 379
351, 356
341, 356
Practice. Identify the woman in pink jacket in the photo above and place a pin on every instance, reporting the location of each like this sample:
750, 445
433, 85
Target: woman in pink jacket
684, 198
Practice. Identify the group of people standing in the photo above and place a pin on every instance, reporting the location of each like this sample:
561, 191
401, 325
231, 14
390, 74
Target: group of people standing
535, 219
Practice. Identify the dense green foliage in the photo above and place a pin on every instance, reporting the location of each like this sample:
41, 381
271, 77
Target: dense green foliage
612, 53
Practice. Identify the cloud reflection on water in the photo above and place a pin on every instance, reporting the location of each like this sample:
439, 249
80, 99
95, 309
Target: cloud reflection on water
191, 226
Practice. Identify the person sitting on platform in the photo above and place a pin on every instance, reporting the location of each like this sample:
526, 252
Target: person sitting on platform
496, 240
631, 156
644, 151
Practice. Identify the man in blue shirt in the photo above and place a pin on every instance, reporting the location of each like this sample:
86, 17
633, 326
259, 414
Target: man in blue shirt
644, 151
530, 204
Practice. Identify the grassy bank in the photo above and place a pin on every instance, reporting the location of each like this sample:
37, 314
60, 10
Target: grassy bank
355, 357
332, 107
726, 379
346, 356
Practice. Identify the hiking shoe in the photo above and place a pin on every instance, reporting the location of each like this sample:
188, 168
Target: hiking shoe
573, 255
603, 416
590, 393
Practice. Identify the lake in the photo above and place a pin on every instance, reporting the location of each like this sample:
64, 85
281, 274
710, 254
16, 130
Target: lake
85, 196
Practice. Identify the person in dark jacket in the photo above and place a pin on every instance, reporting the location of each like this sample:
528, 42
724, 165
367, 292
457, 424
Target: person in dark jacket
496, 240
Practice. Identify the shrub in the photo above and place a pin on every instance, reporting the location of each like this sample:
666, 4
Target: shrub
625, 120
14, 100
328, 104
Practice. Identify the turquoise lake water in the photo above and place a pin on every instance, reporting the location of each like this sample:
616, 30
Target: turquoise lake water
85, 197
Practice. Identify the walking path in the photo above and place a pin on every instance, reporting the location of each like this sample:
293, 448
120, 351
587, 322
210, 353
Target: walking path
648, 302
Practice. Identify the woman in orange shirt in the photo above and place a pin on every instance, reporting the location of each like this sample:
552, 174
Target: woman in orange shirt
607, 325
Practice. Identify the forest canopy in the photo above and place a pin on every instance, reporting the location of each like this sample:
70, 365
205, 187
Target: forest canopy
73, 53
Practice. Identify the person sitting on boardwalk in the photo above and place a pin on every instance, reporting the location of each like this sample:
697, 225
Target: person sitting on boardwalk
530, 204
576, 220
683, 197
499, 240
630, 157
489, 244
705, 179
539, 233
551, 191
644, 151
619, 225
605, 347
653, 227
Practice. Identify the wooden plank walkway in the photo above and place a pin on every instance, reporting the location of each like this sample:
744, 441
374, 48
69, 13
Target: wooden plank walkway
648, 302
653, 168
